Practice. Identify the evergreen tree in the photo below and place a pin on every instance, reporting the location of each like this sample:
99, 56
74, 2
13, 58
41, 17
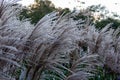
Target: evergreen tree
37, 10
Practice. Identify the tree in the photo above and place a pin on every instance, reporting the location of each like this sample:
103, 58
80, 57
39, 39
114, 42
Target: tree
101, 19
37, 10
104, 22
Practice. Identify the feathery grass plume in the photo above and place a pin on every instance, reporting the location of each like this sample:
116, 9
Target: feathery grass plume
104, 44
82, 65
56, 47
13, 34
51, 42
51, 39
43, 47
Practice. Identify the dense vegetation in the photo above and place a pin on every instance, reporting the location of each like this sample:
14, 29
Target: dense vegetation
39, 9
42, 7
57, 47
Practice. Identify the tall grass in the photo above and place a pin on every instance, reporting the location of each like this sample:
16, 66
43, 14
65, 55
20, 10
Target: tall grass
56, 48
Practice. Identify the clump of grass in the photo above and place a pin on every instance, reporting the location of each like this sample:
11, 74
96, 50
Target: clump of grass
57, 47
